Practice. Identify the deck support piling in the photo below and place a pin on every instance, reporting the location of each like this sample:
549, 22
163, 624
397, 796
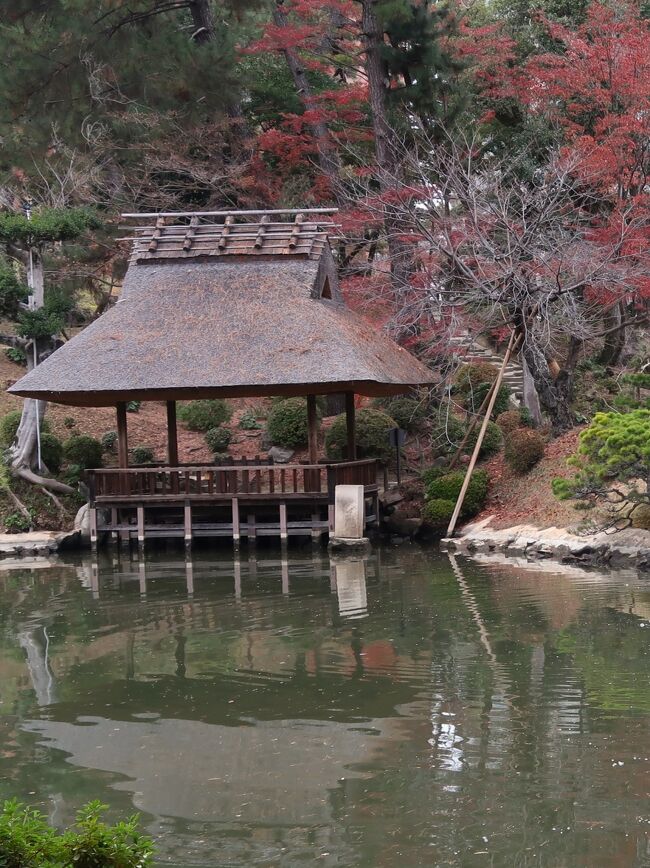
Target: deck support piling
172, 435
312, 429
350, 415
140, 515
122, 435
93, 528
236, 533
283, 522
187, 512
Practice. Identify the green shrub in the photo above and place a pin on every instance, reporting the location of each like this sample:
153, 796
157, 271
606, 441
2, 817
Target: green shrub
218, 440
69, 422
473, 382
205, 414
524, 448
513, 419
287, 423
432, 473
408, 413
371, 427
142, 455
9, 426
474, 374
248, 421
109, 440
51, 452
447, 487
27, 841
15, 522
447, 433
16, 355
84, 451
492, 440
438, 512
133, 406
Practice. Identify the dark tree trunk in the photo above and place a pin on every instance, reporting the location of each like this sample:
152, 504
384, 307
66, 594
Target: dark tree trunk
555, 394
614, 342
387, 146
203, 21
327, 156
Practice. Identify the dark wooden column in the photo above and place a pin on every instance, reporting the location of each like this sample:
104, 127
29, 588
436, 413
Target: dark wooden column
122, 439
349, 419
312, 429
172, 435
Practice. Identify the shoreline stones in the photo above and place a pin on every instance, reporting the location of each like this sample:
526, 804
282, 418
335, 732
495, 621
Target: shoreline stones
626, 548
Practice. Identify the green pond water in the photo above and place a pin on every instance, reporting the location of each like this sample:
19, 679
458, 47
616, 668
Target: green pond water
410, 710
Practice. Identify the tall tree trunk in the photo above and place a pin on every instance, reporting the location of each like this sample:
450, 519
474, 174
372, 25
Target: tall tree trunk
24, 452
387, 147
614, 342
555, 394
203, 21
327, 157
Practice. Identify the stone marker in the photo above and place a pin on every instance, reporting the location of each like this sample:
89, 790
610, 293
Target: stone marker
349, 518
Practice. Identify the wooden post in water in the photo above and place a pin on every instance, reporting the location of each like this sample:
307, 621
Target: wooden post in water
122, 437
172, 435
350, 415
312, 429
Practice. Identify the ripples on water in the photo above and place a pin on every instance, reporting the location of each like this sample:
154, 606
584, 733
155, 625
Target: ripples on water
410, 710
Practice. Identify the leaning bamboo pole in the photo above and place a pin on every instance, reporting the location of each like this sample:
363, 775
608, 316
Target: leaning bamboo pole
514, 340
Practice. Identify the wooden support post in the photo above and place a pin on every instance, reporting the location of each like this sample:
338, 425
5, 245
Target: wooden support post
122, 438
140, 511
316, 531
172, 435
350, 426
283, 522
93, 528
114, 518
142, 577
252, 532
236, 534
188, 523
312, 429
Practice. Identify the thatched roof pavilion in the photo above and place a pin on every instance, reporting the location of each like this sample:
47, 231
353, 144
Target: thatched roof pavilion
224, 305
225, 310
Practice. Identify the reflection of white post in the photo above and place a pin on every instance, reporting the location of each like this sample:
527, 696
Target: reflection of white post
189, 576
350, 578
38, 663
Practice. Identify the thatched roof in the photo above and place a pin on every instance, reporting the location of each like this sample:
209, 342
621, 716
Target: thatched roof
213, 325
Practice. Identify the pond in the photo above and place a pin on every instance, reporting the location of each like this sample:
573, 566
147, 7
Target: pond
412, 709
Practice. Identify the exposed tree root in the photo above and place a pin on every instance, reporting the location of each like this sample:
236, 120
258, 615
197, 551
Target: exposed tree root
45, 482
20, 506
55, 500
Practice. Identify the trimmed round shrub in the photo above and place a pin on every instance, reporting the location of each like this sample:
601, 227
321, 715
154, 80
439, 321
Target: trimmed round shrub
473, 382
205, 414
409, 413
371, 428
218, 440
287, 423
432, 473
509, 421
109, 441
142, 455
9, 426
51, 452
82, 450
448, 486
438, 512
524, 448
492, 440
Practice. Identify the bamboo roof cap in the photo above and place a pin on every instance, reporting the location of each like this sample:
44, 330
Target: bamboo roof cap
236, 313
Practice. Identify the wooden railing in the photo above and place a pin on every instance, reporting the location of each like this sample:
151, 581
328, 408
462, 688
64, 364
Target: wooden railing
218, 481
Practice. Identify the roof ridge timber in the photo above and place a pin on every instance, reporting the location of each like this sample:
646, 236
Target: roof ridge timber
203, 233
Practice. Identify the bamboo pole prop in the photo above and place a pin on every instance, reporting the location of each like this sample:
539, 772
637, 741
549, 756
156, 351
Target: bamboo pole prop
514, 337
483, 408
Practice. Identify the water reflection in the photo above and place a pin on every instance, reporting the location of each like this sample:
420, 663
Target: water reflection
286, 710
